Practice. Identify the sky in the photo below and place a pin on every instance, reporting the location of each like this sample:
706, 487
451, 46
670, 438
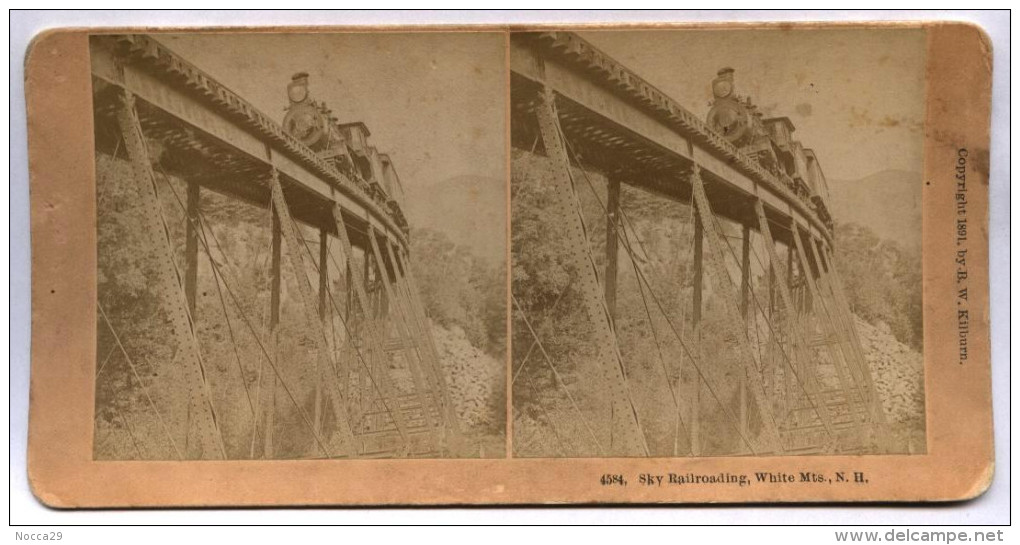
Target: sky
435, 102
856, 96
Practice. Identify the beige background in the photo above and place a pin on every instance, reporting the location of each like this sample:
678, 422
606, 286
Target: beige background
62, 473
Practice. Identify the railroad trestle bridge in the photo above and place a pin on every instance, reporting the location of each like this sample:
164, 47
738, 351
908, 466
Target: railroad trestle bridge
587, 113
169, 120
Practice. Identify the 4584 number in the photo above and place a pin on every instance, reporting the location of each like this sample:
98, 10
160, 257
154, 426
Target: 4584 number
613, 479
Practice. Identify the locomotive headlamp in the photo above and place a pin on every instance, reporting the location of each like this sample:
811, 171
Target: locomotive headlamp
722, 85
297, 90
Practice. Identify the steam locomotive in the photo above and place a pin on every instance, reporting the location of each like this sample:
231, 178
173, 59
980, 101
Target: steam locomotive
345, 146
767, 140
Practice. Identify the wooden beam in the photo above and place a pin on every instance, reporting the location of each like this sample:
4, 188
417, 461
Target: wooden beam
656, 130
745, 289
269, 419
323, 271
323, 292
274, 293
191, 249
699, 236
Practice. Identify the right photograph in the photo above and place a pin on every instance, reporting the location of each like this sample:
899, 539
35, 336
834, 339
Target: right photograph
716, 242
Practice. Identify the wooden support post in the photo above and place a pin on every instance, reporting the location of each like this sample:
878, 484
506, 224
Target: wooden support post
349, 303
323, 292
772, 291
771, 350
612, 245
328, 372
274, 321
793, 311
191, 249
829, 331
745, 272
191, 267
370, 312
807, 276
323, 271
789, 271
699, 236
745, 292
274, 294
405, 334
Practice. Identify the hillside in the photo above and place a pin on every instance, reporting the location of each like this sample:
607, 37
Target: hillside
888, 202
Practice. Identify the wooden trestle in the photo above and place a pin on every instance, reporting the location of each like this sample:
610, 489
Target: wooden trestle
213, 139
583, 110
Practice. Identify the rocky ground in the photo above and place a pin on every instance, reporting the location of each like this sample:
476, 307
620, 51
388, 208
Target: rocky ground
898, 372
475, 381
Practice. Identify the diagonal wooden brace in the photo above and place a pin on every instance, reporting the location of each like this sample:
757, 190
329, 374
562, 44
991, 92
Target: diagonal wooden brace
406, 283
626, 426
839, 358
411, 355
327, 370
378, 374
809, 379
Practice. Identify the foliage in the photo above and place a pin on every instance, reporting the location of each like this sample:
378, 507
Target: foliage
882, 280
460, 289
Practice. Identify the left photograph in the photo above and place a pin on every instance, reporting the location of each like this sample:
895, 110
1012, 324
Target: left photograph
301, 245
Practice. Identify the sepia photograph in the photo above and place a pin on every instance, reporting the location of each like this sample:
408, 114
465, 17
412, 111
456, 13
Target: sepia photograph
388, 266
716, 242
301, 245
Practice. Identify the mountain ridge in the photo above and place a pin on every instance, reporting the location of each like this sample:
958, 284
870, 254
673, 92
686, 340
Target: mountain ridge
888, 202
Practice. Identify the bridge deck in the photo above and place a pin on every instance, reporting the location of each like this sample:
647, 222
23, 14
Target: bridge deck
224, 143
